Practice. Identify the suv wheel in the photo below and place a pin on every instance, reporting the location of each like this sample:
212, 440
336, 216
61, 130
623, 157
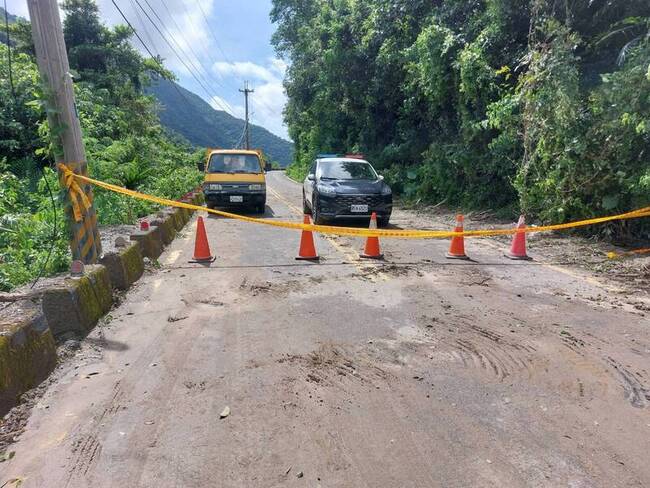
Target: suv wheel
305, 208
315, 211
383, 221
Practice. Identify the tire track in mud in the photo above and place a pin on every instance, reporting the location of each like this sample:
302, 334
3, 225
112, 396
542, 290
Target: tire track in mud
487, 350
636, 392
87, 448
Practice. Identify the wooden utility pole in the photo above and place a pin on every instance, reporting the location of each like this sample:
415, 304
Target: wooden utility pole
246, 91
52, 59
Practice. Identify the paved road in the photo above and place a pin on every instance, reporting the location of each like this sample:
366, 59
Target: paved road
348, 374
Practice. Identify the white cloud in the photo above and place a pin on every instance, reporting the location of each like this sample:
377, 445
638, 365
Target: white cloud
269, 98
183, 25
244, 69
17, 7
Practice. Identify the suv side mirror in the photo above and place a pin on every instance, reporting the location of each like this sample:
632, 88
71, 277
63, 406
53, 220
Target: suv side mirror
311, 177
268, 167
201, 167
380, 177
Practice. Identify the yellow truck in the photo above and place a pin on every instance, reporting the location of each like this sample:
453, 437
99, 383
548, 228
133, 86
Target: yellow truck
235, 178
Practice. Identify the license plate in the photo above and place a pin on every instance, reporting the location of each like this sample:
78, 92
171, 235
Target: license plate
359, 208
236, 199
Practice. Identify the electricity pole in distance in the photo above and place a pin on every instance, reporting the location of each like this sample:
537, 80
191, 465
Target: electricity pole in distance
247, 128
65, 130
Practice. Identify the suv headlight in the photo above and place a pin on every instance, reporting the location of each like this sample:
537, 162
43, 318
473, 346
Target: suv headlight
386, 190
328, 190
214, 186
255, 187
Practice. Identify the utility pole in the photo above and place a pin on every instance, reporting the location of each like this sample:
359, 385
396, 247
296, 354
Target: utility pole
52, 59
247, 128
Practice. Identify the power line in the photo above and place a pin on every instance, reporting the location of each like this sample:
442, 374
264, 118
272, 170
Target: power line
218, 44
178, 28
154, 58
180, 58
199, 69
142, 24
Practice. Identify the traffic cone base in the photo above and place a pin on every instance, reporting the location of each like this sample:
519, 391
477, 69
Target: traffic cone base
372, 250
307, 251
371, 256
457, 247
201, 247
518, 248
517, 258
457, 256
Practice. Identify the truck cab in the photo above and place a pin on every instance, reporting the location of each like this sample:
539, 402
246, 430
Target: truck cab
235, 178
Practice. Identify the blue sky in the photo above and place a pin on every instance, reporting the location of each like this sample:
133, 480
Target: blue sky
233, 46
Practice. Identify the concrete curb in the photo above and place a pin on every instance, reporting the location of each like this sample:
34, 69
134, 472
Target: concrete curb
77, 304
124, 267
28, 328
27, 351
150, 242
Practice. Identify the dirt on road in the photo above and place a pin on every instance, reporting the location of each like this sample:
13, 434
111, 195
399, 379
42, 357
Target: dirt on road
415, 372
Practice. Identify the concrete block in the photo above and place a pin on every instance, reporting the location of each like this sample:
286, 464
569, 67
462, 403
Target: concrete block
124, 267
27, 351
76, 304
167, 229
150, 242
177, 219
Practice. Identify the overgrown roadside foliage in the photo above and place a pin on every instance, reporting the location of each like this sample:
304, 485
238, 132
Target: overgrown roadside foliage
125, 143
533, 105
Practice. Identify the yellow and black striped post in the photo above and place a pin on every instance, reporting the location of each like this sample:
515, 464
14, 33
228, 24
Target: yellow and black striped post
85, 242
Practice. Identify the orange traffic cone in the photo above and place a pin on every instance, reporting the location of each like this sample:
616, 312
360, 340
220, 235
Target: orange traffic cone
457, 248
307, 251
201, 246
518, 248
372, 250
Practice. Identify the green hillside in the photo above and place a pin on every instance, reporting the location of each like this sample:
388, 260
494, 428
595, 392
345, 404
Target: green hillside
193, 118
12, 18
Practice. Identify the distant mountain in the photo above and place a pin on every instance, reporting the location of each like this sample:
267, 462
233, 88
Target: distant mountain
190, 116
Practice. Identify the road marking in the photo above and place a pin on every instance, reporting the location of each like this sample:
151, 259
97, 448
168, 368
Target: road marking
346, 252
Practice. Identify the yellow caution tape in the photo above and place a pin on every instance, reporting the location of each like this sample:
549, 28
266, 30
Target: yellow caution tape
79, 200
356, 232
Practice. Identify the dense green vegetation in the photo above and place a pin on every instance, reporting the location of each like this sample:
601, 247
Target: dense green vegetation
125, 143
189, 115
537, 105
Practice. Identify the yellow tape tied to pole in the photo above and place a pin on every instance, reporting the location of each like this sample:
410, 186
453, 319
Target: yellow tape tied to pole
347, 231
79, 200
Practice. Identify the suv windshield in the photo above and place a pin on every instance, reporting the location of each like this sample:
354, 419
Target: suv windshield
346, 170
234, 163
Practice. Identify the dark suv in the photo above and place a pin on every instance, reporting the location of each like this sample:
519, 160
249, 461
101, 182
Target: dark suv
341, 188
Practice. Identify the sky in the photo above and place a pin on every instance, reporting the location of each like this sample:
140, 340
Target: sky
231, 47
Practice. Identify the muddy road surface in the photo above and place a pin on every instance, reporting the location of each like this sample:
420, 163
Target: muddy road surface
416, 372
